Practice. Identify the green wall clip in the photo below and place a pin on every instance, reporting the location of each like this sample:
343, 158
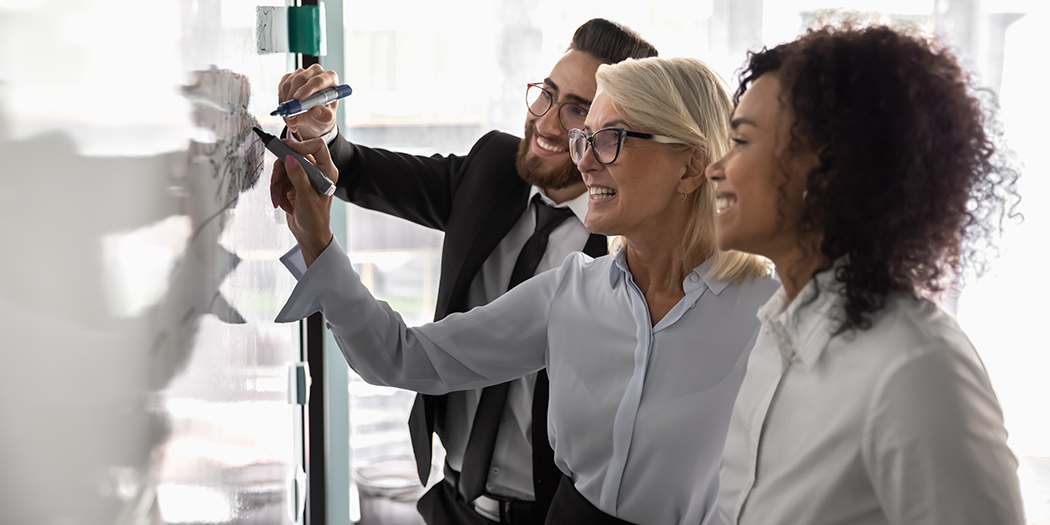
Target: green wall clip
306, 30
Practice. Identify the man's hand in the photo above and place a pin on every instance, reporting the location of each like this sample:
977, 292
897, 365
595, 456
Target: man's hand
308, 212
300, 84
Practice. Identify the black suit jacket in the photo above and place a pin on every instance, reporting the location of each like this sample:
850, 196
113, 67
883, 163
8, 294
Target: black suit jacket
475, 199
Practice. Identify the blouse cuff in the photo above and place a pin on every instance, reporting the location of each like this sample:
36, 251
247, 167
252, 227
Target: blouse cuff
330, 286
294, 262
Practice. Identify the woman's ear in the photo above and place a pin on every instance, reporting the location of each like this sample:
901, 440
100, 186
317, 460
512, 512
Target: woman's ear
694, 176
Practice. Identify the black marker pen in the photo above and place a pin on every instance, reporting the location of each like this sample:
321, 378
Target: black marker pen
318, 180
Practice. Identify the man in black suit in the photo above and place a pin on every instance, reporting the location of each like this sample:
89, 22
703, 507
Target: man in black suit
510, 208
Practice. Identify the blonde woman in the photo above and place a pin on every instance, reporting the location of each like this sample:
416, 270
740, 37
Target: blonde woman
645, 348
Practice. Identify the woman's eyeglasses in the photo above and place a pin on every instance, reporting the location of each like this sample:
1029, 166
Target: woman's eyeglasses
606, 143
540, 101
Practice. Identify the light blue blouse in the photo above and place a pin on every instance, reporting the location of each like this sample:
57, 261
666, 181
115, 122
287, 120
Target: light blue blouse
638, 413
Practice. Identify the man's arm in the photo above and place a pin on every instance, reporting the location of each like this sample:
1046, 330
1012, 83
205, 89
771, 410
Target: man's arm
416, 188
419, 189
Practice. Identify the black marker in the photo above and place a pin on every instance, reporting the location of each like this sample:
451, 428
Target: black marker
318, 180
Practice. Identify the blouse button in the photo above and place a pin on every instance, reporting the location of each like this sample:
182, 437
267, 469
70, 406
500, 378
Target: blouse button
495, 471
694, 277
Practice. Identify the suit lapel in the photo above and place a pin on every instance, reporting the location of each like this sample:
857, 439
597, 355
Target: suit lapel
476, 241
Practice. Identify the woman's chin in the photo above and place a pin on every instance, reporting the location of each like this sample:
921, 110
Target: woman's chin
599, 227
730, 244
726, 242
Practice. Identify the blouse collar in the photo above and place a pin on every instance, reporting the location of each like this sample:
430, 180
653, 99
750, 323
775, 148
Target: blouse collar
695, 280
803, 327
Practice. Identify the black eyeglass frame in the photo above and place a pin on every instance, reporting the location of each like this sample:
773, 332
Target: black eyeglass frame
623, 134
551, 103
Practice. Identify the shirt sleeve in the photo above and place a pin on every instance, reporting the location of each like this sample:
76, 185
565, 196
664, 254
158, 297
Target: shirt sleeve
935, 445
503, 340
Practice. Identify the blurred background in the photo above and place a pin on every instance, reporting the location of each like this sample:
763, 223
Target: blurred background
142, 379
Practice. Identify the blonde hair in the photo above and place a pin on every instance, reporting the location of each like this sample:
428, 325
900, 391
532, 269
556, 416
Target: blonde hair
684, 99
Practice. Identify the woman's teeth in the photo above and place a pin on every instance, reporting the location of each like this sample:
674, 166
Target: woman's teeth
601, 193
724, 203
548, 146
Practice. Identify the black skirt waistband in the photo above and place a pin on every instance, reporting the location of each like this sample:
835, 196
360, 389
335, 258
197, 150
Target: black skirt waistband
571, 508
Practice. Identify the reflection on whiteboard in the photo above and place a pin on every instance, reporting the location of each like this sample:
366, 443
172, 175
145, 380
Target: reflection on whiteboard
216, 173
110, 264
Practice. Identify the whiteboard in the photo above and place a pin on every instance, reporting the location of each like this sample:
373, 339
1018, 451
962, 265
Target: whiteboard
142, 379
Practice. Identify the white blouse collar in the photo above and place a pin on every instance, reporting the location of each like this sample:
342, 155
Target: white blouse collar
804, 327
696, 279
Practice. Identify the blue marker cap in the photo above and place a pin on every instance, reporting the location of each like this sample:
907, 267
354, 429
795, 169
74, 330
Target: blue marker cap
342, 91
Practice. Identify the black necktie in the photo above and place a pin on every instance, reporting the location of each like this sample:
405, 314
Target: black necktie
482, 439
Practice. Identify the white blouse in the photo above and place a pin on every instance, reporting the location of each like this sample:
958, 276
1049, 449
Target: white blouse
638, 413
894, 424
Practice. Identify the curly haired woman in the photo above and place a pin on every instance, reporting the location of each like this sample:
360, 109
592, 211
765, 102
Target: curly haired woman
865, 168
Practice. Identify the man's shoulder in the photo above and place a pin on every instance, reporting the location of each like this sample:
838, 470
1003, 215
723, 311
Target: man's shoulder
496, 141
492, 164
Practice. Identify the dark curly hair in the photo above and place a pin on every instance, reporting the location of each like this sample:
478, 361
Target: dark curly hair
909, 183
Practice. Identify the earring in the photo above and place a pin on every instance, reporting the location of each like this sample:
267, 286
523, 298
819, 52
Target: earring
683, 196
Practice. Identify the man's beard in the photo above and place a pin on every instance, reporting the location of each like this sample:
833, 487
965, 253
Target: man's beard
532, 171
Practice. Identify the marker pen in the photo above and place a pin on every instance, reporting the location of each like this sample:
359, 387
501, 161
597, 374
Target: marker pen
325, 96
318, 180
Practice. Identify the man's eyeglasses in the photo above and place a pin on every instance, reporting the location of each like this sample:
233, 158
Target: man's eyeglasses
540, 101
606, 143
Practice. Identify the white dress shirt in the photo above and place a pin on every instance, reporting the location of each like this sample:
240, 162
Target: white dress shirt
894, 424
638, 413
510, 472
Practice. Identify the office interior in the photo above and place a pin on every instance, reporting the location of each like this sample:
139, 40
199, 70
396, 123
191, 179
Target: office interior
142, 378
